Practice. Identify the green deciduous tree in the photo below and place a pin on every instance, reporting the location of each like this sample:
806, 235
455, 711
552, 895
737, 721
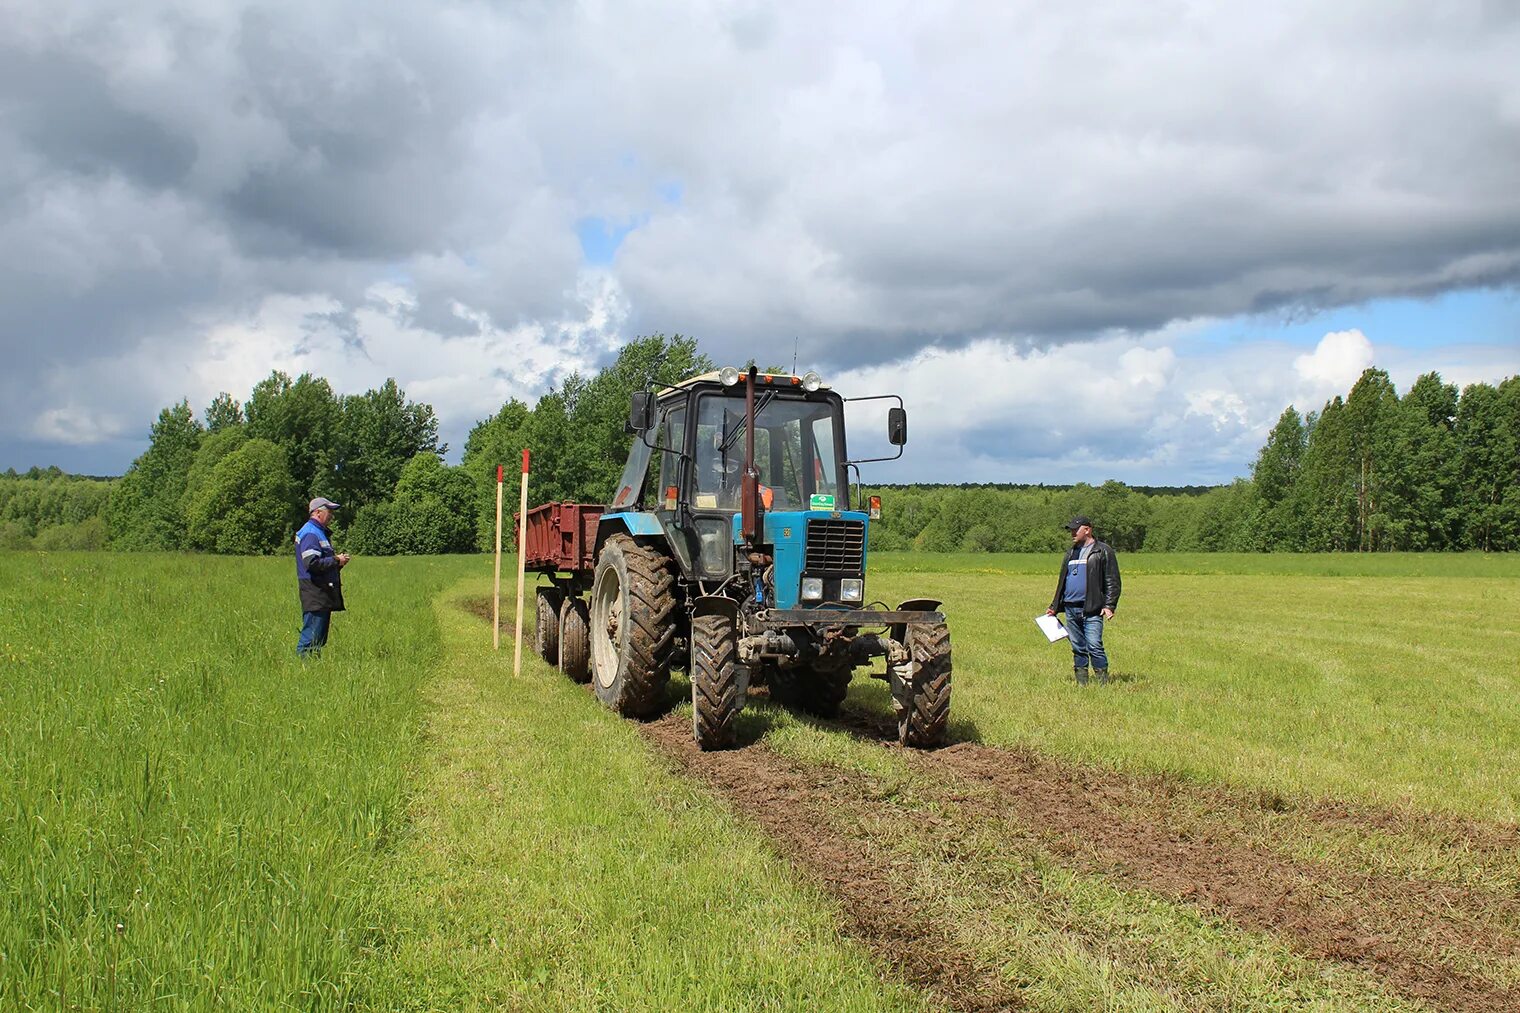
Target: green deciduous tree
1421, 509
430, 514
304, 419
1488, 434
224, 412
243, 506
1371, 415
144, 512
1276, 523
380, 431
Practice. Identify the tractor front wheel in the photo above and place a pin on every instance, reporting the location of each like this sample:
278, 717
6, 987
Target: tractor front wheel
921, 695
575, 640
719, 684
546, 633
633, 626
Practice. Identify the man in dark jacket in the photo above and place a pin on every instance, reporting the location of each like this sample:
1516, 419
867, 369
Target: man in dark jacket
1087, 590
319, 576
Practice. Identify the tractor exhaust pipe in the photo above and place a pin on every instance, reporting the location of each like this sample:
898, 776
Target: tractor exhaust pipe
749, 488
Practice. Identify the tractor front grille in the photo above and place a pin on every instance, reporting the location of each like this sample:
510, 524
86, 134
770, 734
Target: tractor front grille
835, 546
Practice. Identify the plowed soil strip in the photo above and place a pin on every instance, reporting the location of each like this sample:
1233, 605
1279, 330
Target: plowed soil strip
791, 804
1423, 938
1427, 940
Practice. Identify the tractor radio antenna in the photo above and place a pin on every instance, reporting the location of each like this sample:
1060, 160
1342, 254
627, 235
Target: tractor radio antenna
794, 355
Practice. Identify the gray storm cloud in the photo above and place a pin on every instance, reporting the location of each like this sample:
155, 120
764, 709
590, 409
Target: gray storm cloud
870, 178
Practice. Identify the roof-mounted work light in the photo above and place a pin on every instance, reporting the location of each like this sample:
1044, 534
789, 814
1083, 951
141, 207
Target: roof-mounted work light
811, 381
728, 376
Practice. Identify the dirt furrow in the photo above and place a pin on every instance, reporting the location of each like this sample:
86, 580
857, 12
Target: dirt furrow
1427, 940
791, 804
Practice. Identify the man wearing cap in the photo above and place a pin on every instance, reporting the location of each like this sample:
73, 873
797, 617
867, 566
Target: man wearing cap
319, 576
1087, 590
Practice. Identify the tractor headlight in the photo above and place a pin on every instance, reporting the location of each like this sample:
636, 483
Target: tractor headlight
728, 376
811, 381
852, 589
812, 588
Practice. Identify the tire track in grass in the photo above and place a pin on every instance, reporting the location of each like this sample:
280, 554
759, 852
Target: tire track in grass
1431, 940
1428, 940
1434, 942
790, 802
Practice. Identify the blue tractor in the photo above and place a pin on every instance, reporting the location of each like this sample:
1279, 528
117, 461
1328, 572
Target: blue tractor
730, 550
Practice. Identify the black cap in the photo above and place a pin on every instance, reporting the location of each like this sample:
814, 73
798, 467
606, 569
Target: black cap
1077, 522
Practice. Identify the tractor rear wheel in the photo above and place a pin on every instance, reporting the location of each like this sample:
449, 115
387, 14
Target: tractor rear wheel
922, 700
818, 688
546, 633
575, 640
633, 626
719, 684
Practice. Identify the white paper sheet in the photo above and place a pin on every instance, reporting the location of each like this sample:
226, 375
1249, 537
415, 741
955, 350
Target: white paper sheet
1051, 627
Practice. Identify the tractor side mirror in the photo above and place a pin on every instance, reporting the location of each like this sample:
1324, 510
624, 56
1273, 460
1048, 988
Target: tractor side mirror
897, 426
640, 412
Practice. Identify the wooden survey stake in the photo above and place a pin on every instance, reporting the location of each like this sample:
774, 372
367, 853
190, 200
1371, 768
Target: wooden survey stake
496, 597
522, 556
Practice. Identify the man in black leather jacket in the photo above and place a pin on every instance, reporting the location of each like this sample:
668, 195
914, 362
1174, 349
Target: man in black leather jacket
1087, 590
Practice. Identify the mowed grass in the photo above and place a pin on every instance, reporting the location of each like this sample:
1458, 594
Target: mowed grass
191, 818
1398, 685
555, 863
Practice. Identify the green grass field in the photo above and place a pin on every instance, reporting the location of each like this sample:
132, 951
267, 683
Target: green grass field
190, 818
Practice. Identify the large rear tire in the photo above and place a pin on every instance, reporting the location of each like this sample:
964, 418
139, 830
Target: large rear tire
633, 626
546, 632
575, 640
922, 700
817, 688
719, 684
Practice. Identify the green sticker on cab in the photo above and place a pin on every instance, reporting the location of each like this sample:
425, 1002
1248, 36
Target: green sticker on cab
817, 502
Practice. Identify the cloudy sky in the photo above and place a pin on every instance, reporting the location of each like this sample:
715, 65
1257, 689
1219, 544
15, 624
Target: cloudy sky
1112, 241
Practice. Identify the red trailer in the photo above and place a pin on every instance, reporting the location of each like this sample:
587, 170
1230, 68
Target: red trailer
562, 538
561, 545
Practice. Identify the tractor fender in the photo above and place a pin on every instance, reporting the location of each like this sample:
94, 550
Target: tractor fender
900, 630
639, 525
715, 605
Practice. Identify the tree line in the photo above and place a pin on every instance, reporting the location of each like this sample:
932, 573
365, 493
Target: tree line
1434, 469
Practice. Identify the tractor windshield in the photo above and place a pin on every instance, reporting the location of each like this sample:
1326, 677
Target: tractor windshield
795, 450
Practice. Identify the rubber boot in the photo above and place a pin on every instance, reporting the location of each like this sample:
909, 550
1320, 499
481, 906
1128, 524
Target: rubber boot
1102, 674
1082, 676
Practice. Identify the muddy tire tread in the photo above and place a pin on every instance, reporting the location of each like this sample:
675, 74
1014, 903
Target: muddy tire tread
575, 640
546, 630
651, 616
717, 686
923, 706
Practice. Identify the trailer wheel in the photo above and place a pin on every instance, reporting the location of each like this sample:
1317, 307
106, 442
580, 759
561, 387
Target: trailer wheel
719, 684
633, 626
922, 699
817, 688
546, 633
575, 640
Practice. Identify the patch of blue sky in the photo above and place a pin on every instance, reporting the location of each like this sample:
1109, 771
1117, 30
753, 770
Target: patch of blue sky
1467, 317
672, 193
601, 237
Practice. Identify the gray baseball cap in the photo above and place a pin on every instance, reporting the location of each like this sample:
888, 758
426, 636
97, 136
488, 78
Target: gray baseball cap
320, 503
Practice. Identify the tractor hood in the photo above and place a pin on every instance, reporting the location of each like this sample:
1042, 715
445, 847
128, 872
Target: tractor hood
827, 544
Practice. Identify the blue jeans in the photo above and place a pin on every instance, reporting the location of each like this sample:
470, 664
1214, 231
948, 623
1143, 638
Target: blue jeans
313, 632
1086, 635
